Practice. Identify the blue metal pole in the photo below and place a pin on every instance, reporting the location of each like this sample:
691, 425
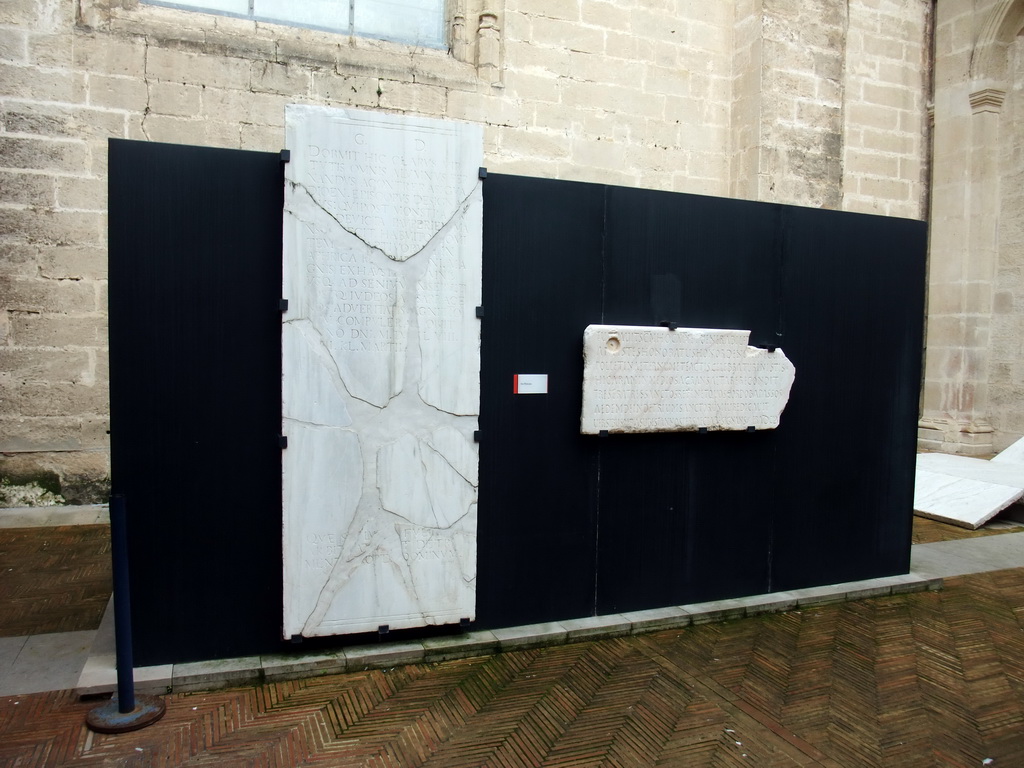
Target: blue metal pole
122, 604
125, 711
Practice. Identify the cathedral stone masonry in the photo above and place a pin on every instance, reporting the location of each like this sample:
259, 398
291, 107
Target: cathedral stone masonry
823, 103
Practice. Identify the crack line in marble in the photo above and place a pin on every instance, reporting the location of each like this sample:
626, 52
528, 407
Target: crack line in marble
454, 468
437, 527
321, 350
461, 207
457, 415
300, 185
315, 425
426, 483
346, 565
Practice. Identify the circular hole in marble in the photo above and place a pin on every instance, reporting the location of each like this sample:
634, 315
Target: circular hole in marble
614, 345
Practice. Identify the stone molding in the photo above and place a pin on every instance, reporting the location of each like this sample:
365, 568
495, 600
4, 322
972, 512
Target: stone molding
949, 435
1001, 25
987, 100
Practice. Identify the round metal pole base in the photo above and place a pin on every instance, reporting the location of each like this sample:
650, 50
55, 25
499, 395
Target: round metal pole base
107, 718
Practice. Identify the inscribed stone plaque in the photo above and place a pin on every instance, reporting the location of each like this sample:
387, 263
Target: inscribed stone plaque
381, 369
651, 379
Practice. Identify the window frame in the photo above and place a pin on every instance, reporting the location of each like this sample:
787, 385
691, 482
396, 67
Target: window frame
444, 43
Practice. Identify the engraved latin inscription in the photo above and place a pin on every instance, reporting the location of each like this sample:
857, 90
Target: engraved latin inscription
321, 551
640, 379
393, 188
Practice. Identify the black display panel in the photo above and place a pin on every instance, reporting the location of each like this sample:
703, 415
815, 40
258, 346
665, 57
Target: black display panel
542, 281
195, 391
686, 517
569, 525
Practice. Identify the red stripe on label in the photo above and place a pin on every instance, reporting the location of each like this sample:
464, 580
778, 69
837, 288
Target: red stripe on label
515, 383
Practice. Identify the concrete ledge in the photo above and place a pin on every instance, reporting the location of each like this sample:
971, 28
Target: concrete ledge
657, 618
99, 675
51, 517
479, 643
384, 655
776, 602
718, 610
219, 673
288, 667
531, 636
596, 627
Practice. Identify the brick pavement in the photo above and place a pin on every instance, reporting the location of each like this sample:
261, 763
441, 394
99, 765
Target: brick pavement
53, 579
924, 679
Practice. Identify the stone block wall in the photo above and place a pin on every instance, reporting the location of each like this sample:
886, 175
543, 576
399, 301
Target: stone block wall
1006, 378
816, 103
973, 400
885, 103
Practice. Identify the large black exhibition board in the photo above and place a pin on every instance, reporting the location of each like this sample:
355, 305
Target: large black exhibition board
569, 525
625, 522
195, 394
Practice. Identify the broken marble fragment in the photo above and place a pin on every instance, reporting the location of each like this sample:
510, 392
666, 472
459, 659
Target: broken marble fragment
652, 379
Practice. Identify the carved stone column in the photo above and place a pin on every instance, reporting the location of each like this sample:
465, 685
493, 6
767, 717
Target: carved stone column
460, 41
488, 55
956, 412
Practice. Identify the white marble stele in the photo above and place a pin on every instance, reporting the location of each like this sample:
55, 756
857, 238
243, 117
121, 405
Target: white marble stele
652, 379
381, 370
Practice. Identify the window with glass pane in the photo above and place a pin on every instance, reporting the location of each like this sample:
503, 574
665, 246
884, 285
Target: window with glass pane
420, 22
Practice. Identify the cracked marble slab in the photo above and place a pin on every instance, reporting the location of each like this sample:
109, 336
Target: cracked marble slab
380, 364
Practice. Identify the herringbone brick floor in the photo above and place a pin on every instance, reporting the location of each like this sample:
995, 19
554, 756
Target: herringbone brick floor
931, 531
927, 679
53, 579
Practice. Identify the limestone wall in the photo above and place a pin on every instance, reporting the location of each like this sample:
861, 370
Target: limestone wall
1007, 368
814, 102
972, 401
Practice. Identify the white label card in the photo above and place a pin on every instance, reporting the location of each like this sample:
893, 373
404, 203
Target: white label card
530, 384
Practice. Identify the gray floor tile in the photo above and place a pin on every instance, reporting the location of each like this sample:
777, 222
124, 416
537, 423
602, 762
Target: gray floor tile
48, 663
10, 647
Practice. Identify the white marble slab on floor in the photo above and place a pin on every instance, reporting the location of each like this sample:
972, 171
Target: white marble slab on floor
1014, 454
964, 491
973, 469
959, 501
49, 662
